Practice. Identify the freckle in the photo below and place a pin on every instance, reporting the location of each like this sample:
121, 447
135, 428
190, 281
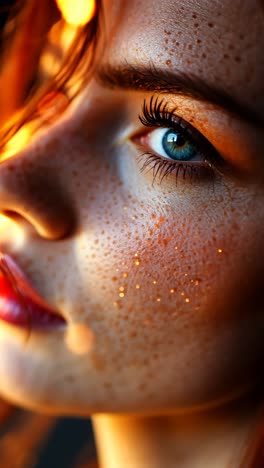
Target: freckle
114, 278
168, 62
146, 322
194, 16
238, 59
107, 384
226, 56
177, 43
166, 41
190, 47
196, 25
199, 41
211, 25
204, 55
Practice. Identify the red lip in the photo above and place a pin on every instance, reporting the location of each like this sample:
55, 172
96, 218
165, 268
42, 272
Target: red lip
20, 304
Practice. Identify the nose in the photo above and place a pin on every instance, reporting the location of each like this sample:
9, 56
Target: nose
30, 187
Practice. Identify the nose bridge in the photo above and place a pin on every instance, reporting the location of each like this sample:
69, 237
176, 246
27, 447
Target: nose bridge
31, 187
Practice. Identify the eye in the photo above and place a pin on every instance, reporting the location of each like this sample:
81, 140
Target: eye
173, 144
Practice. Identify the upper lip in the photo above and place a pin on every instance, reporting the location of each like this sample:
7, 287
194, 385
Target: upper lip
26, 292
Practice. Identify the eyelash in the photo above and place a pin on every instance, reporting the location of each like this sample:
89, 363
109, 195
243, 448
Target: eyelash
156, 114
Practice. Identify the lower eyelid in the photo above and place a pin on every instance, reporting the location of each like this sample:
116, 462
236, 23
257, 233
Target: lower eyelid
161, 169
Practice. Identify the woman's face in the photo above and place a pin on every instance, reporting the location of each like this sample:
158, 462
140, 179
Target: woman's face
161, 277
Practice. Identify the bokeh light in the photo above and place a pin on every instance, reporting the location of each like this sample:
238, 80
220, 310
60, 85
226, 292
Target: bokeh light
77, 12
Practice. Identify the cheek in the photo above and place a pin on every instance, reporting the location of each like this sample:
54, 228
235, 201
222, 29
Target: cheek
166, 294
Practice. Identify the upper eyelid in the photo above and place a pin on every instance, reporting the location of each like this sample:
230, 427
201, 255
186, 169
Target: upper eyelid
157, 109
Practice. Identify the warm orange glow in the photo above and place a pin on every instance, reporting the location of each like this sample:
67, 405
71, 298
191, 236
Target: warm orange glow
77, 12
51, 106
17, 142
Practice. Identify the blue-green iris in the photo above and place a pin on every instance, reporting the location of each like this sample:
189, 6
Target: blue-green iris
177, 146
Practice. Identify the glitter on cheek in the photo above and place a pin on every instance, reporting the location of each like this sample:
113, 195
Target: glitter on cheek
137, 261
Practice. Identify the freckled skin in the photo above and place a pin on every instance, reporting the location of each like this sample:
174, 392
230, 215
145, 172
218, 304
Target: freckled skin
167, 277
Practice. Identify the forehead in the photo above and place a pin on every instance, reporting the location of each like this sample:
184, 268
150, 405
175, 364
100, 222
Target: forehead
220, 41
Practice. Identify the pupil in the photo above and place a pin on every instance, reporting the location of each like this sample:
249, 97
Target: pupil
176, 139
177, 146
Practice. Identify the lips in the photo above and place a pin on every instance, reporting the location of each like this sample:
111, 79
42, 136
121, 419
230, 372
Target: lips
20, 304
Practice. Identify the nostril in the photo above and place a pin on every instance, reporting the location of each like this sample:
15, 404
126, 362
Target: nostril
30, 196
18, 219
33, 192
51, 221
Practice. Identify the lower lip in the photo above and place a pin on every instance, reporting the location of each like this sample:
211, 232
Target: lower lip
20, 305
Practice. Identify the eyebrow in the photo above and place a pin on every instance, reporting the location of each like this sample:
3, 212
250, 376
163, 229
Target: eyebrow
151, 78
